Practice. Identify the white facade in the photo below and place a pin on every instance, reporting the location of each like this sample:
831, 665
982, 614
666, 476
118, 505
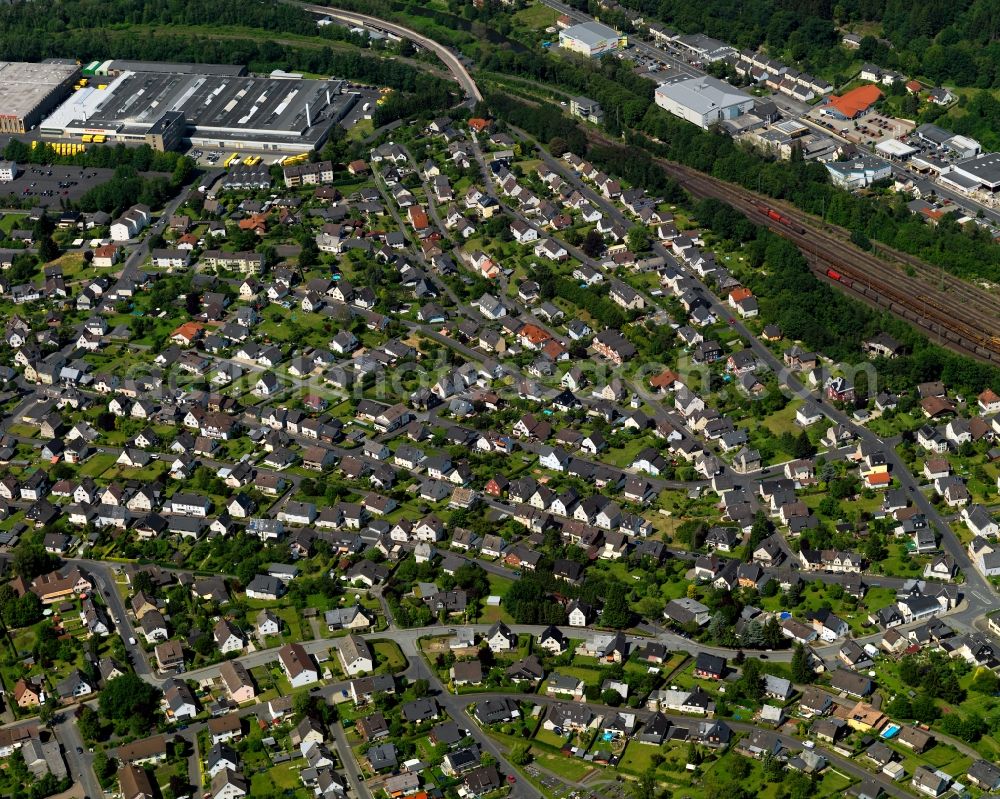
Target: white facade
703, 101
591, 39
129, 224
858, 173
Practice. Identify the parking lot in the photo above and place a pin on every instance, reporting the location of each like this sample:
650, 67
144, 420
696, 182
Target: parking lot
865, 131
47, 185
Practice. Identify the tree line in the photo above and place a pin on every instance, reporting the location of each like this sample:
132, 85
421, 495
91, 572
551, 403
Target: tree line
89, 30
968, 251
957, 42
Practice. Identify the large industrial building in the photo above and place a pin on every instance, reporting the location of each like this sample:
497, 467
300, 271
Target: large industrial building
703, 101
28, 91
979, 173
117, 66
210, 106
592, 39
853, 104
858, 172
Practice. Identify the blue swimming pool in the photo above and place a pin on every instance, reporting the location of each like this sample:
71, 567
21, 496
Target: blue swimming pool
890, 731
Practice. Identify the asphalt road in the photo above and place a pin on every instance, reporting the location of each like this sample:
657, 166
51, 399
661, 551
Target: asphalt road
788, 106
80, 765
346, 755
982, 596
451, 61
793, 745
105, 577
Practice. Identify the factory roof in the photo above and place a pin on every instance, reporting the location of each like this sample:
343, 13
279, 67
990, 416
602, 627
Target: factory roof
279, 109
856, 101
702, 95
24, 85
590, 33
125, 65
985, 168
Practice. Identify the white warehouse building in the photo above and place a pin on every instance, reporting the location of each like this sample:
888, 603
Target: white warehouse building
703, 101
591, 39
858, 172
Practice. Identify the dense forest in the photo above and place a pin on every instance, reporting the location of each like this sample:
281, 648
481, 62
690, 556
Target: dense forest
26, 36
828, 320
804, 307
234, 33
969, 253
956, 44
945, 42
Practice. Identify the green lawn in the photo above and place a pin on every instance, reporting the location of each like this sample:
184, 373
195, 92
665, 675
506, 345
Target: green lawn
389, 655
783, 421
499, 585
637, 758
833, 783
589, 676
98, 465
570, 768
549, 738
284, 777
167, 770
626, 455
537, 15
11, 221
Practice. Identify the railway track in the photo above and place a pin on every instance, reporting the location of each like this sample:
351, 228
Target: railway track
962, 317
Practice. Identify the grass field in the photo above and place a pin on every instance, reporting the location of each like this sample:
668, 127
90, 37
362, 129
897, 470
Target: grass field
389, 655
570, 768
98, 465
536, 15
11, 221
784, 420
637, 758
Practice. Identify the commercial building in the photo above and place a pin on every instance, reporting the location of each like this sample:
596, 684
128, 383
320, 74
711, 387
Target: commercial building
28, 91
585, 108
963, 146
703, 101
592, 39
981, 172
8, 171
309, 174
894, 148
855, 103
165, 105
858, 172
958, 146
705, 48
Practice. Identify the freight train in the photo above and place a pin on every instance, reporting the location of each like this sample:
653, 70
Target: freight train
775, 216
